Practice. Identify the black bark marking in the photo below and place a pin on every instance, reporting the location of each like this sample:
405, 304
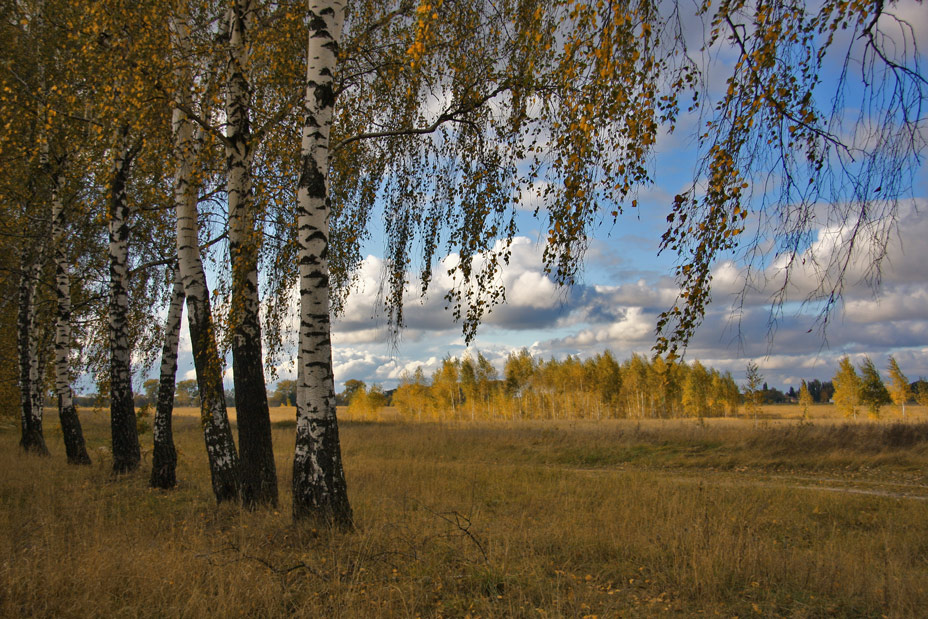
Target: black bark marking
325, 95
312, 179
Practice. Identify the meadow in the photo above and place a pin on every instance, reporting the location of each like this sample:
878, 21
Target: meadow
789, 518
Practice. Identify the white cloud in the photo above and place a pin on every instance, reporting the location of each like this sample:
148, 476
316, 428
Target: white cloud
532, 298
635, 327
898, 302
361, 336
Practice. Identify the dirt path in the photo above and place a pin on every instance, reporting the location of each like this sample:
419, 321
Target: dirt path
896, 490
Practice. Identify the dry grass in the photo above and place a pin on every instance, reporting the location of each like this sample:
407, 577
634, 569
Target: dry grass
820, 412
492, 520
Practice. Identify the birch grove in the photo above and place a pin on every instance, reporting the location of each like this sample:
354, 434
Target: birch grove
204, 133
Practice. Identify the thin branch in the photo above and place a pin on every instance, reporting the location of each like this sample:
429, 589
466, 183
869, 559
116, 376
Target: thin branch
258, 134
444, 117
171, 259
202, 123
778, 105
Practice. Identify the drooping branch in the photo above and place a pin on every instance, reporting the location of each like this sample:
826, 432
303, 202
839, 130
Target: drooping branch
455, 114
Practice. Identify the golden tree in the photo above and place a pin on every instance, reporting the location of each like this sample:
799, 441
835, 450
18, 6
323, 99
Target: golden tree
847, 388
805, 399
899, 388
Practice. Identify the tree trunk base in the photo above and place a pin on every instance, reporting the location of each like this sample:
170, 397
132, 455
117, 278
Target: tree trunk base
256, 461
257, 495
73, 435
121, 466
82, 458
34, 442
320, 495
163, 468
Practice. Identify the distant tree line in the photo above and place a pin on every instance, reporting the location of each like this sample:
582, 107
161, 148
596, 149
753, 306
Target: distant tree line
600, 387
595, 388
186, 394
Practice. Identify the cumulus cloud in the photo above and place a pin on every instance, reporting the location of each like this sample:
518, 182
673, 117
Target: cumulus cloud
898, 302
533, 300
634, 327
378, 366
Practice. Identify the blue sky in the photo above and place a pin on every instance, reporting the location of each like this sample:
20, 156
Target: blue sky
625, 285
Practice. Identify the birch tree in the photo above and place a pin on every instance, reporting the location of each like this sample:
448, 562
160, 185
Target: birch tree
258, 471
899, 388
319, 488
125, 437
30, 374
71, 430
164, 454
25, 193
110, 55
220, 447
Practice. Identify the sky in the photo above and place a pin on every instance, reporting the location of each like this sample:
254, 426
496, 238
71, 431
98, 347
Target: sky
625, 285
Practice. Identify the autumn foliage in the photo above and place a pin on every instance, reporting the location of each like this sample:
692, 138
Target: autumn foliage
596, 388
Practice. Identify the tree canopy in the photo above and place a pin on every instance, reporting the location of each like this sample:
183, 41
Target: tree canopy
451, 116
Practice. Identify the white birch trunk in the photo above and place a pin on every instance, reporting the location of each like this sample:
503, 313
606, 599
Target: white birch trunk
71, 430
220, 447
125, 437
28, 337
164, 455
258, 471
319, 489
38, 368
27, 345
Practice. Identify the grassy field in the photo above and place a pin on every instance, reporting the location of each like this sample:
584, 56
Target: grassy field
492, 520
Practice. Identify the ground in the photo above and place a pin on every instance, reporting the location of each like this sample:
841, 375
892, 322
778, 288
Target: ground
534, 519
